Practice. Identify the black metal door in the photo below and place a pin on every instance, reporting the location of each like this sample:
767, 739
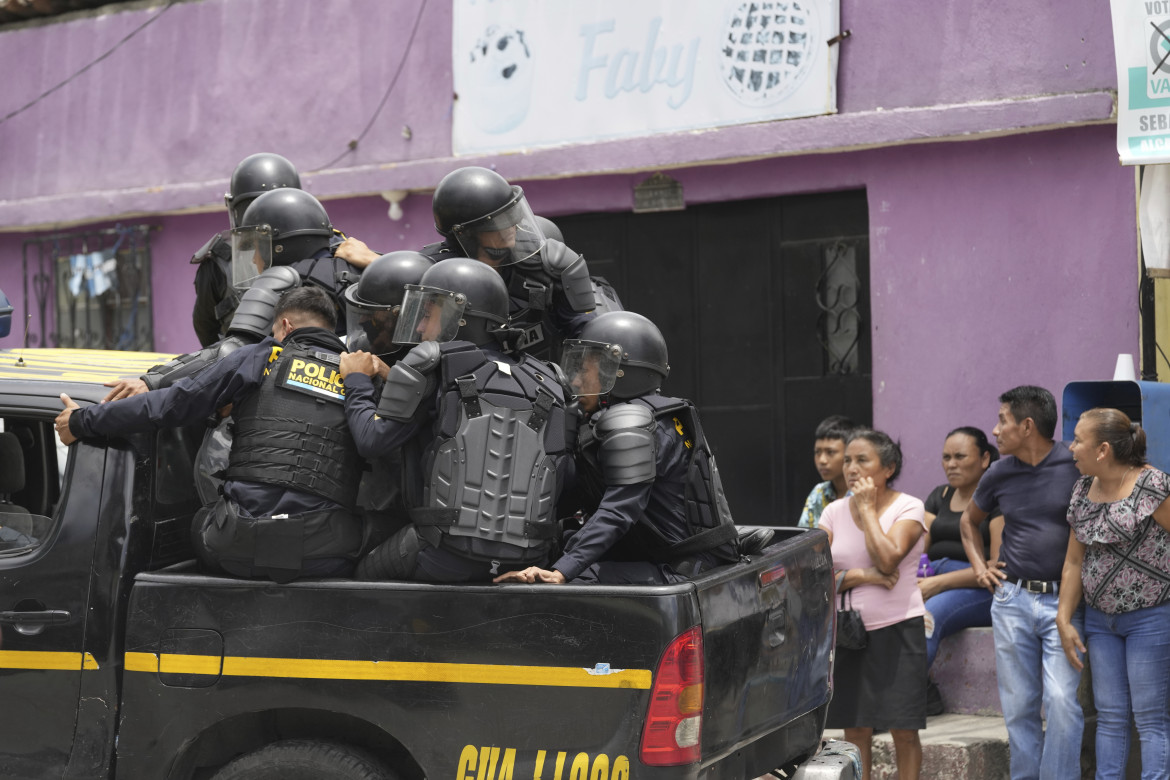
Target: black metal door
765, 307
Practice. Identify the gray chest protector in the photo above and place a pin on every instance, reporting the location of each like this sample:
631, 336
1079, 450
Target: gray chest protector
490, 474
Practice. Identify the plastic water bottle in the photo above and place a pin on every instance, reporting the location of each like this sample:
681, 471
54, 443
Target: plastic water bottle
924, 567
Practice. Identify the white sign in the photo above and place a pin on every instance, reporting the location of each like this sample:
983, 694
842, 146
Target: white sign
538, 73
1141, 39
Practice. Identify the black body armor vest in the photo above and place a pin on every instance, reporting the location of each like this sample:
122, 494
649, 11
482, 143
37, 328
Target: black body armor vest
292, 431
709, 525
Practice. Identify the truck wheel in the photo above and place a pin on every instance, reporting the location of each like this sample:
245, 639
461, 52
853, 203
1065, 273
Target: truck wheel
302, 759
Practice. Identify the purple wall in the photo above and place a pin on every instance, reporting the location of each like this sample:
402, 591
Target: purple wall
984, 253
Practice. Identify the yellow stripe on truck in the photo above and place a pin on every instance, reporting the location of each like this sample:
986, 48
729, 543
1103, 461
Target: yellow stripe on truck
38, 659
334, 669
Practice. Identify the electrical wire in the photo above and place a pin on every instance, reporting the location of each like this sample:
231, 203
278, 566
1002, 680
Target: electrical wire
353, 145
51, 90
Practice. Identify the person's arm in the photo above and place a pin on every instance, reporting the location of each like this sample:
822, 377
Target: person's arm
985, 576
963, 578
374, 436
929, 518
886, 550
1162, 515
355, 252
1071, 591
186, 402
848, 579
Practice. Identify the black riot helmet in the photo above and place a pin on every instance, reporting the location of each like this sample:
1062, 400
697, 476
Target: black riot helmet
476, 210
642, 357
466, 293
297, 221
373, 304
255, 175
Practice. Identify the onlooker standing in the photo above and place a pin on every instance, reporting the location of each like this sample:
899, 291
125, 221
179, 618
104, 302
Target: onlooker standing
1031, 485
876, 539
829, 457
1119, 558
954, 600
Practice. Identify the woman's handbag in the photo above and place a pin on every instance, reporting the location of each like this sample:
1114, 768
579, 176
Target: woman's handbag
851, 633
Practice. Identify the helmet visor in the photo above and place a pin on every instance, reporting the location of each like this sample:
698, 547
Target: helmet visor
592, 367
251, 254
504, 237
429, 314
370, 328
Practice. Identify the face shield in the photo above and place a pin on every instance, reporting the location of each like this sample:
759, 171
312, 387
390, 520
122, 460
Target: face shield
592, 367
251, 254
370, 327
429, 314
504, 237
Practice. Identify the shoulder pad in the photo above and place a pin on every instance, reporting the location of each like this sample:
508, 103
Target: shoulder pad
564, 264
218, 247
423, 357
628, 450
403, 392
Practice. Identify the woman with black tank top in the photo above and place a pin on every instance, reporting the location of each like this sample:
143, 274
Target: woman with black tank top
954, 600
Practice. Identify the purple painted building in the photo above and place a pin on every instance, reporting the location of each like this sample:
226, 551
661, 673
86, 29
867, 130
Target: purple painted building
998, 231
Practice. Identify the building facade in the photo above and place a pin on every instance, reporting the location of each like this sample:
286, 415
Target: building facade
961, 225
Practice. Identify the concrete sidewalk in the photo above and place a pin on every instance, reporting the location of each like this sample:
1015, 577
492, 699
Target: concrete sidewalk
954, 747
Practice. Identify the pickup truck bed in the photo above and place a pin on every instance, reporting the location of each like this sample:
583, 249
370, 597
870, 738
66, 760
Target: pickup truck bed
119, 659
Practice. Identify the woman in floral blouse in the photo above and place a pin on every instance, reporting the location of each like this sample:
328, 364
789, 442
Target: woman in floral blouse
1119, 559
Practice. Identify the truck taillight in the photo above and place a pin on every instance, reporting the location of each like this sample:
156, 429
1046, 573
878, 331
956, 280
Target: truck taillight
675, 716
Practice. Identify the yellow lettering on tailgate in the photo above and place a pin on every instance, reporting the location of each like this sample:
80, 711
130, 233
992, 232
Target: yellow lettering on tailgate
466, 762
580, 770
621, 769
600, 770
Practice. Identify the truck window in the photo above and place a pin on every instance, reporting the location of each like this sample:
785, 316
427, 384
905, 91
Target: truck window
30, 484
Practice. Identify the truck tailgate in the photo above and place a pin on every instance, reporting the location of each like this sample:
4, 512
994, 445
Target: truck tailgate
767, 639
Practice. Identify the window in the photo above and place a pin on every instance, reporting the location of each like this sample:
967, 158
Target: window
30, 485
90, 289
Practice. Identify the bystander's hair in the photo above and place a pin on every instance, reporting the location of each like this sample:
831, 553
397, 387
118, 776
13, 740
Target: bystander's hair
889, 451
1125, 437
980, 438
1031, 401
836, 426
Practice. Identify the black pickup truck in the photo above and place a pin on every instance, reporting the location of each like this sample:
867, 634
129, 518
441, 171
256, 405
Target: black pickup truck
119, 659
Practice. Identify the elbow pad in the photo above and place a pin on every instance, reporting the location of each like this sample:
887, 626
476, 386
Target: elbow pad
191, 364
255, 312
628, 450
411, 380
570, 269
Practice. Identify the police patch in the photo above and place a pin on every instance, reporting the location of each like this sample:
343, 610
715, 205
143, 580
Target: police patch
315, 377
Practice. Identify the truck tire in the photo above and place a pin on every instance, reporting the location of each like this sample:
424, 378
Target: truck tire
303, 759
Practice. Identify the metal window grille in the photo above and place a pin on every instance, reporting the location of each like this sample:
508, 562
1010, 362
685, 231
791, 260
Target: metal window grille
89, 289
839, 296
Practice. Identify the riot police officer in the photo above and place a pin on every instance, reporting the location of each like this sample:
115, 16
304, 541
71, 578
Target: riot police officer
287, 505
488, 428
658, 510
215, 297
289, 227
372, 307
552, 295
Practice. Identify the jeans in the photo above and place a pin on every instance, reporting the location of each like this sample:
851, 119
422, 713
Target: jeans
1130, 654
954, 610
1032, 669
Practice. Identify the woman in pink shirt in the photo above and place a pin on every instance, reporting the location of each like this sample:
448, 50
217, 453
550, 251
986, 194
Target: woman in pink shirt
875, 535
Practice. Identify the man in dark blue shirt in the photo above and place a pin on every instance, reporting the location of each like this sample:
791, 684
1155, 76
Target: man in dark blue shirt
1031, 485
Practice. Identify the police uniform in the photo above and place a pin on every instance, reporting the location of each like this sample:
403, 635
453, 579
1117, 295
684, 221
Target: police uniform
540, 306
293, 471
660, 512
473, 517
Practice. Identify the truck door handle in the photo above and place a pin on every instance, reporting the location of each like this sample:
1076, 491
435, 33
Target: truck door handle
39, 617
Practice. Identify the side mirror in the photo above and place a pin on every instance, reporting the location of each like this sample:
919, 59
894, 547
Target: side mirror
5, 315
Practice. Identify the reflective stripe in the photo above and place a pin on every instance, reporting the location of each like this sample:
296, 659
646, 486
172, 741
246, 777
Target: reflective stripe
334, 669
37, 659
